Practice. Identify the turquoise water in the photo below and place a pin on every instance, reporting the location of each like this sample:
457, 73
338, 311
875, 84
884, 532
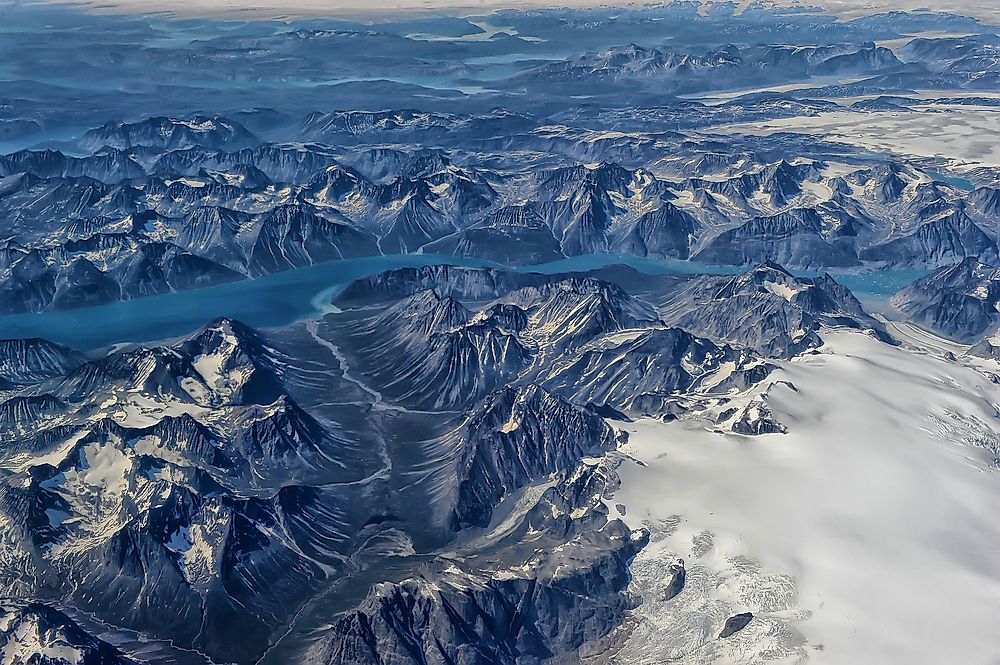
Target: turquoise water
53, 139
643, 265
282, 298
273, 300
958, 182
875, 285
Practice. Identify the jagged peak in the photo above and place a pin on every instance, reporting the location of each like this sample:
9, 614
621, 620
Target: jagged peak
516, 435
503, 315
769, 265
37, 633
768, 277
228, 339
426, 312
31, 360
226, 217
228, 327
574, 309
512, 403
517, 215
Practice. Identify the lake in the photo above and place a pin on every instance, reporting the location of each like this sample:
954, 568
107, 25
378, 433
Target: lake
286, 297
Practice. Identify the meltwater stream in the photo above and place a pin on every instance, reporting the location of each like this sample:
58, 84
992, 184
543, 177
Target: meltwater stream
285, 297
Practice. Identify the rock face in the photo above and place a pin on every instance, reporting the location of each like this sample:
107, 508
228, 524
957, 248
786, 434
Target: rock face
27, 361
461, 283
755, 419
466, 618
986, 200
640, 373
554, 599
517, 436
987, 348
429, 351
947, 237
767, 309
515, 235
958, 301
793, 237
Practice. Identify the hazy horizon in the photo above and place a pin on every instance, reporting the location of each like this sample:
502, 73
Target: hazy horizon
271, 9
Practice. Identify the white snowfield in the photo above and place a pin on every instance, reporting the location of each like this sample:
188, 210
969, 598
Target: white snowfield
249, 9
867, 534
962, 135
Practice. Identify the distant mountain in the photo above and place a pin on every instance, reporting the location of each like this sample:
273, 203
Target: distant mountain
170, 133
678, 71
109, 165
188, 203
977, 55
403, 124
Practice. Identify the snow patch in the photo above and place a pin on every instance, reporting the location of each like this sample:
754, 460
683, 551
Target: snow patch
783, 290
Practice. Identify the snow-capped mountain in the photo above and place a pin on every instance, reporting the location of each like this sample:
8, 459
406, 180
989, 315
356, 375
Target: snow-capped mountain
680, 72
958, 301
161, 132
767, 309
515, 437
137, 219
36, 633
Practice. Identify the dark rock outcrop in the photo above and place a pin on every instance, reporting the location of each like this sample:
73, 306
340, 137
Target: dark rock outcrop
735, 624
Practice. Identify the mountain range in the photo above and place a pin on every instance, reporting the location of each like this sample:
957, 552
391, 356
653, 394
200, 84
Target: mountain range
539, 337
